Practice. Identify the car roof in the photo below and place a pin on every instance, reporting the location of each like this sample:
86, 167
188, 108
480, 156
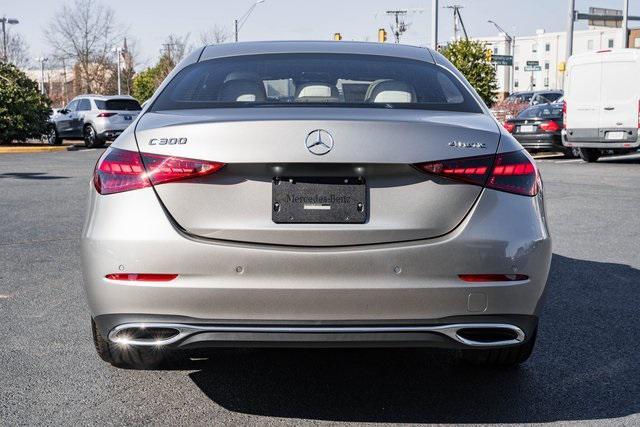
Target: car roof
346, 47
104, 97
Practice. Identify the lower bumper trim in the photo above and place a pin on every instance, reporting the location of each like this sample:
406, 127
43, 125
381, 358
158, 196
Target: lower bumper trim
467, 334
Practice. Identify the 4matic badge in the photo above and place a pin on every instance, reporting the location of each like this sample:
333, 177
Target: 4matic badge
460, 144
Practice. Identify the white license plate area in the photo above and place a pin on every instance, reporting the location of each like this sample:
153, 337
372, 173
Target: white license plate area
528, 128
614, 135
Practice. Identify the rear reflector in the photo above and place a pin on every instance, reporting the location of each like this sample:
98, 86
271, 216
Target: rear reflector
477, 278
123, 170
512, 172
141, 277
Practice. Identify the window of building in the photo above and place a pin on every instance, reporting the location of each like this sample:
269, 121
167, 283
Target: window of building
547, 47
636, 43
611, 43
516, 83
546, 65
517, 66
534, 48
546, 82
589, 44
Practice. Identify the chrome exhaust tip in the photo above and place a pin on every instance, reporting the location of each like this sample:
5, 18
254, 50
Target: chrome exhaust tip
162, 334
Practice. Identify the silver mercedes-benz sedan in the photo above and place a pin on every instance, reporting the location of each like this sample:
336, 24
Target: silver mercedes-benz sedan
327, 194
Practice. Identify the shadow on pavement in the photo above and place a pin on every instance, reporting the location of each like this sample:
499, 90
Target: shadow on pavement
31, 175
585, 367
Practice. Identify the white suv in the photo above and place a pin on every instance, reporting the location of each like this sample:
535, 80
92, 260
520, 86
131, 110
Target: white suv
93, 118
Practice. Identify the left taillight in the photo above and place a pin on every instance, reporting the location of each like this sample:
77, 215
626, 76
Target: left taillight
123, 170
513, 172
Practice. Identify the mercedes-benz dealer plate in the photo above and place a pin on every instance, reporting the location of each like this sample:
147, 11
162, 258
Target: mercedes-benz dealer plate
319, 200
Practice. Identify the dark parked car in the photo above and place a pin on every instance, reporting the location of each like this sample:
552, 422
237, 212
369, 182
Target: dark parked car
538, 128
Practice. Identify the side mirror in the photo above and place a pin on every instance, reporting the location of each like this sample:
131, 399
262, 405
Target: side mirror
63, 111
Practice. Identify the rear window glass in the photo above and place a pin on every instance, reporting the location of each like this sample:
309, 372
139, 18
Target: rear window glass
542, 112
118, 105
316, 80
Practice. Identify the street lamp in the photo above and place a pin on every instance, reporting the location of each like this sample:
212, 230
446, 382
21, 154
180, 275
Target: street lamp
119, 51
5, 21
239, 23
511, 47
42, 60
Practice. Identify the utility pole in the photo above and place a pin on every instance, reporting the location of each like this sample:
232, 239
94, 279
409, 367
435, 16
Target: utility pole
5, 21
42, 60
400, 27
235, 27
119, 51
434, 24
625, 24
570, 21
457, 17
64, 82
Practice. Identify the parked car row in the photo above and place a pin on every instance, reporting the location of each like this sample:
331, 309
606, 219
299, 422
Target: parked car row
93, 118
598, 115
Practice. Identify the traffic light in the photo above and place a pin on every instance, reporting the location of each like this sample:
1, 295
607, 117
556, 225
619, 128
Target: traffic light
562, 67
488, 54
337, 37
382, 35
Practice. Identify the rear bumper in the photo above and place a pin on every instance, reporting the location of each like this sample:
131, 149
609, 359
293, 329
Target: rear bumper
596, 138
236, 283
541, 142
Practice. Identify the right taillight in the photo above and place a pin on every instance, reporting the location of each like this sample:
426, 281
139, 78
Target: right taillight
513, 172
123, 170
564, 114
550, 126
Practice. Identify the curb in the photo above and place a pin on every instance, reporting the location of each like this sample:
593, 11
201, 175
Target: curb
23, 150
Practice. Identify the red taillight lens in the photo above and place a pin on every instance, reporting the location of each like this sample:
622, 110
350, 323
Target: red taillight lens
478, 278
118, 171
515, 173
510, 127
512, 172
123, 170
141, 277
473, 170
168, 169
550, 126
106, 114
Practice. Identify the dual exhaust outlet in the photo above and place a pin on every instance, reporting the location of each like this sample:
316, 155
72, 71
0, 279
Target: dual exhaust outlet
167, 334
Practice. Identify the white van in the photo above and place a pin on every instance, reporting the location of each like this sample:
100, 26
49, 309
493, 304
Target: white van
602, 102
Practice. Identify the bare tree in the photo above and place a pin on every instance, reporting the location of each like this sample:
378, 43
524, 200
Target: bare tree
175, 48
87, 32
17, 50
215, 35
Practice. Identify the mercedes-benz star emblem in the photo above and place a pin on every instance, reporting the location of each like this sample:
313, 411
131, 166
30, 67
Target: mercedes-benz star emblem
319, 142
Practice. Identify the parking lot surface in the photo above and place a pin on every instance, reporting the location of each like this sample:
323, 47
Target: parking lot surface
586, 366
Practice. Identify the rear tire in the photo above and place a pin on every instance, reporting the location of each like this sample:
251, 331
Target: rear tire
571, 153
91, 139
125, 356
506, 356
590, 154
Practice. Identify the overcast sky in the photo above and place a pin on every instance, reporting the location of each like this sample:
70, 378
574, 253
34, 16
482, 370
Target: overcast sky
149, 21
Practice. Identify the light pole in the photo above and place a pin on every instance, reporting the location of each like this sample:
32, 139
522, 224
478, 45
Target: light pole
119, 51
434, 24
510, 48
239, 23
571, 18
5, 21
42, 60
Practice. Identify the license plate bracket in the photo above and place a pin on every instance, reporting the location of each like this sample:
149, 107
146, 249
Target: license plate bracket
319, 200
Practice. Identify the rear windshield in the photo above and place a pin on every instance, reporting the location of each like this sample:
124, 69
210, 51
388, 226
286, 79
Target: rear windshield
315, 80
118, 105
542, 112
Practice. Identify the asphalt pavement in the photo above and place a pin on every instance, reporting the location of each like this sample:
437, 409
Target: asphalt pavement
585, 368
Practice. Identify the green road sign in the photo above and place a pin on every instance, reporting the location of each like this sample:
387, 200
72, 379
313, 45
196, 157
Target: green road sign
502, 60
533, 68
